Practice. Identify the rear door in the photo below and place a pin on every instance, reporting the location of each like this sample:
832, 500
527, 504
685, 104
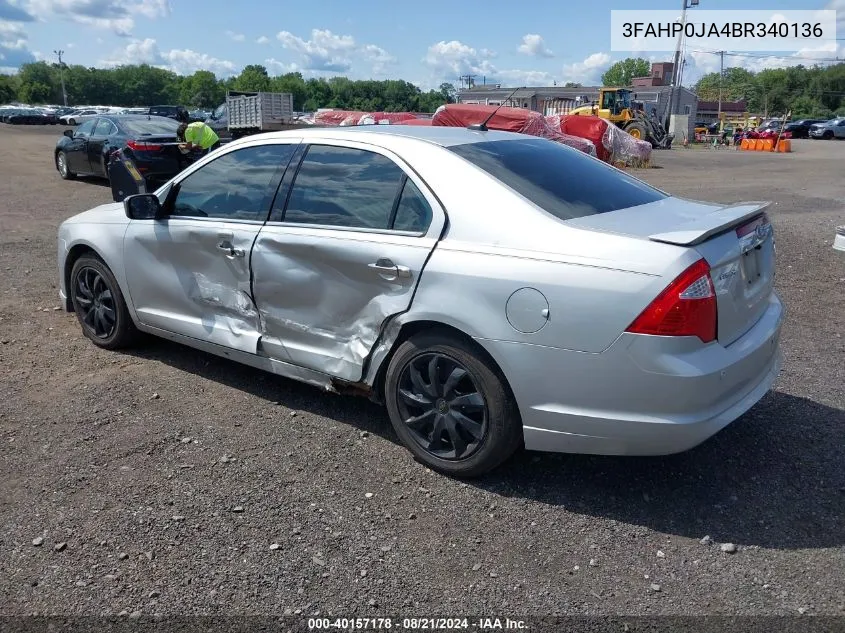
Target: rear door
343, 251
189, 273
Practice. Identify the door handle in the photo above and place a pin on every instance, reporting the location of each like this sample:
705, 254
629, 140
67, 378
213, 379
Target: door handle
227, 246
387, 269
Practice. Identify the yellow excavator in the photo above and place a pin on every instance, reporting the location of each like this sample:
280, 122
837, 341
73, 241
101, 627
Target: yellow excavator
616, 106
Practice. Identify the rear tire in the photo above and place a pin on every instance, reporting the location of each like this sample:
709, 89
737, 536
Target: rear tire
827, 135
99, 304
71, 121
450, 406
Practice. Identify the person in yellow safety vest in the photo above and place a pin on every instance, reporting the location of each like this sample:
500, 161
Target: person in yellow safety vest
198, 135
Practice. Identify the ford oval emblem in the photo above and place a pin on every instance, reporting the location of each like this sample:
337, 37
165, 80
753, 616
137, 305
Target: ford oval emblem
761, 231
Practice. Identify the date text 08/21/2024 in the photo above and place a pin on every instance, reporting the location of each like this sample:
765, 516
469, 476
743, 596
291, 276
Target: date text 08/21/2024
418, 624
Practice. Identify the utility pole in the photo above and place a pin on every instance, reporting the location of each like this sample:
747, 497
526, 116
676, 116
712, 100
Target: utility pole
62, 74
674, 95
721, 78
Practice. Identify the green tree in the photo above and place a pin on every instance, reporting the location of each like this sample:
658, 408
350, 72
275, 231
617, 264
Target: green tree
8, 88
201, 90
573, 84
449, 92
253, 77
623, 71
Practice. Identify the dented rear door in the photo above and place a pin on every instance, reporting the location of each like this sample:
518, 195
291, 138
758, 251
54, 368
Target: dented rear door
344, 249
189, 273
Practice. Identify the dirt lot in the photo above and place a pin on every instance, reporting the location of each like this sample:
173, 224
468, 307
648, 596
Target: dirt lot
120, 457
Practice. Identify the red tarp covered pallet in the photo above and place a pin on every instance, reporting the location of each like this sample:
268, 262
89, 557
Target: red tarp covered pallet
518, 120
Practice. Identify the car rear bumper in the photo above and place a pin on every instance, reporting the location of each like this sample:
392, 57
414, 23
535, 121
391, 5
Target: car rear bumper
644, 395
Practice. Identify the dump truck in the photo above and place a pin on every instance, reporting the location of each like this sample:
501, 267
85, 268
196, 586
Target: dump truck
615, 105
247, 113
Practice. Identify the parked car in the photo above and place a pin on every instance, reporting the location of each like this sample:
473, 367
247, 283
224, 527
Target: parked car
219, 122
835, 128
801, 127
142, 138
31, 116
78, 116
179, 113
586, 314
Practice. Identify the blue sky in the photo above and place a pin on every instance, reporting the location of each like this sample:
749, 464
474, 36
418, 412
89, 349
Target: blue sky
514, 43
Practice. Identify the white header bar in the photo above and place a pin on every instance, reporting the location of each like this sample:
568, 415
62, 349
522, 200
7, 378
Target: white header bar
729, 30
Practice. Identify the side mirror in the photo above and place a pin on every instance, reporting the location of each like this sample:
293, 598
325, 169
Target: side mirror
142, 206
68, 133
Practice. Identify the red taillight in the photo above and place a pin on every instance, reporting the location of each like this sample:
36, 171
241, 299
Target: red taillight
141, 146
687, 307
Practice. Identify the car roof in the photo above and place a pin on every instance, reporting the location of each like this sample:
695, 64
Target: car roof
392, 135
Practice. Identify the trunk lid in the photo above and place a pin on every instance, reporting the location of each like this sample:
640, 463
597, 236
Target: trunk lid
164, 144
737, 242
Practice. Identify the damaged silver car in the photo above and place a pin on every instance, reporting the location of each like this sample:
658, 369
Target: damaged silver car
491, 289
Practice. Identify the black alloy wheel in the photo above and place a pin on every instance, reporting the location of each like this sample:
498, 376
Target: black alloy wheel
442, 407
96, 303
450, 404
99, 304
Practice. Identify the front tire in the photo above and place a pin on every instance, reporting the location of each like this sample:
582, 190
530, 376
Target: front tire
71, 121
450, 406
827, 135
99, 304
62, 166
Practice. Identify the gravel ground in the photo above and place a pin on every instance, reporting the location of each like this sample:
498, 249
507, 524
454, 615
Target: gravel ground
165, 481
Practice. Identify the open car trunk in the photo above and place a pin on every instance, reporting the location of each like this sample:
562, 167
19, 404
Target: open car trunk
736, 241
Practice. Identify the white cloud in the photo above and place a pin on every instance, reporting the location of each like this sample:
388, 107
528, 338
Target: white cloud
702, 63
588, 71
328, 52
180, 61
262, 40
275, 67
525, 77
235, 37
533, 44
455, 58
324, 51
115, 15
14, 45
379, 57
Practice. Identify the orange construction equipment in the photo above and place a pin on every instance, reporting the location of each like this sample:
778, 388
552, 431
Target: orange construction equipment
784, 145
745, 144
768, 144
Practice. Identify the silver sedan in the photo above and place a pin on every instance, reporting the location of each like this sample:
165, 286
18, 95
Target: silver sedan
491, 289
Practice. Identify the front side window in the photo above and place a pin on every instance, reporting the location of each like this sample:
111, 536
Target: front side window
558, 179
104, 128
235, 186
342, 186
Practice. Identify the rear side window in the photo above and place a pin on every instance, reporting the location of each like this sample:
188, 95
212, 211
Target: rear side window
561, 180
342, 186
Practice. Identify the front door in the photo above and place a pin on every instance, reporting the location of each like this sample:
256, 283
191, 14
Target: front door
97, 146
76, 151
189, 273
342, 256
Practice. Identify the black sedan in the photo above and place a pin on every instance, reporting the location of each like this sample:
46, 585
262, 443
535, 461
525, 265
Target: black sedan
801, 128
149, 141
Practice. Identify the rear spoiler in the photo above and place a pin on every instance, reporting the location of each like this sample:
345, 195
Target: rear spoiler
703, 228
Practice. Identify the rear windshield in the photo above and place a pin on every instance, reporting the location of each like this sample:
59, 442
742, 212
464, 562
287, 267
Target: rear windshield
563, 181
144, 127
